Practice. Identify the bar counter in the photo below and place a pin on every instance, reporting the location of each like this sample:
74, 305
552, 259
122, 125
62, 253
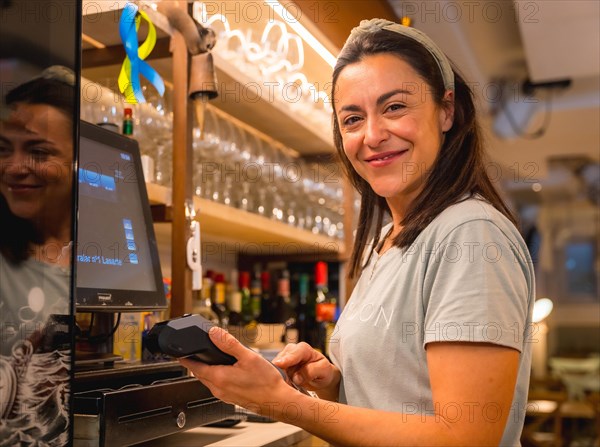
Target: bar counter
244, 434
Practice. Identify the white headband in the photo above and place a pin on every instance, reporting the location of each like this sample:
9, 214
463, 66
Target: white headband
374, 25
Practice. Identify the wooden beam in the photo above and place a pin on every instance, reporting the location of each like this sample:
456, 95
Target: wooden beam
181, 301
113, 55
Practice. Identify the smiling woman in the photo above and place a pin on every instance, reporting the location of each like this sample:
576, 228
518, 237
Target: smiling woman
433, 347
391, 129
36, 157
36, 154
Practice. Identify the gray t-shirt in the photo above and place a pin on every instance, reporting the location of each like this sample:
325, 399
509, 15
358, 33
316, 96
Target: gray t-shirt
467, 277
35, 354
30, 293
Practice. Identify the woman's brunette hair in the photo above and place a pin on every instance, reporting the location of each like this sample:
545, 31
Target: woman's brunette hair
459, 170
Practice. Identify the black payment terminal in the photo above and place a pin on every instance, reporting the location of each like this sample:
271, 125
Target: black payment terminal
187, 336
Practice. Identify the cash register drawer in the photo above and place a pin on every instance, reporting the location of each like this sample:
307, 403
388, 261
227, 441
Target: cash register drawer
137, 413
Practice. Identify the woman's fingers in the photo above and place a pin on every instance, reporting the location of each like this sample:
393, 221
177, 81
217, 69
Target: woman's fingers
314, 375
305, 366
223, 341
283, 358
198, 369
227, 343
294, 355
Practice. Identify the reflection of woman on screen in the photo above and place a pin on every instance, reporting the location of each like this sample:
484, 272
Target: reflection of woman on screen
36, 155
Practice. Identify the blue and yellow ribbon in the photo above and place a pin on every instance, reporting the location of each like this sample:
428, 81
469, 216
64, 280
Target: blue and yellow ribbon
134, 64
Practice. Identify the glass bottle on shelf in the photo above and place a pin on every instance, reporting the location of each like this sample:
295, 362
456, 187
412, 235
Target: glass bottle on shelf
325, 303
286, 311
233, 297
247, 314
325, 307
305, 310
268, 303
218, 303
234, 304
127, 122
256, 293
202, 302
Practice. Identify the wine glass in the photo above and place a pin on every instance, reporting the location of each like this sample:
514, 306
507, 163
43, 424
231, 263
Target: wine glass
163, 140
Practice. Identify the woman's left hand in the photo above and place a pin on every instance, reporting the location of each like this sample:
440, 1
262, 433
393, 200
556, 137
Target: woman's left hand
252, 382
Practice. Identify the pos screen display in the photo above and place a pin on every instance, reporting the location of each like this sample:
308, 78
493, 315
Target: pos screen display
117, 264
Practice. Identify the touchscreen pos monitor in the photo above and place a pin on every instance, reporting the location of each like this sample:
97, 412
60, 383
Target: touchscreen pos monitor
117, 265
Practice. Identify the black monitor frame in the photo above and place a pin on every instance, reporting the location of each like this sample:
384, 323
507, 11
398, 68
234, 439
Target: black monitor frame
112, 299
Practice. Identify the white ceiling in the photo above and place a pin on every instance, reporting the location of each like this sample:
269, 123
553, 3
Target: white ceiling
560, 38
508, 41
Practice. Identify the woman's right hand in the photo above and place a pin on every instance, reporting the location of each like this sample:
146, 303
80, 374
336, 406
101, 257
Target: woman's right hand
310, 369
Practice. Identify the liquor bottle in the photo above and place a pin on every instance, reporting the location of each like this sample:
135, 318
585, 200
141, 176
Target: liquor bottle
325, 308
268, 303
218, 304
202, 303
256, 293
284, 302
247, 314
233, 298
235, 309
218, 289
128, 122
305, 310
325, 303
286, 313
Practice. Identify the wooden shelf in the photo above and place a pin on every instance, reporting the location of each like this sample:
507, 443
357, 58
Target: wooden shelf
158, 195
237, 232
250, 100
268, 113
253, 234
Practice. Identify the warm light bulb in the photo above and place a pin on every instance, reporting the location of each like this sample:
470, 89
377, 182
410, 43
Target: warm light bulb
541, 309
